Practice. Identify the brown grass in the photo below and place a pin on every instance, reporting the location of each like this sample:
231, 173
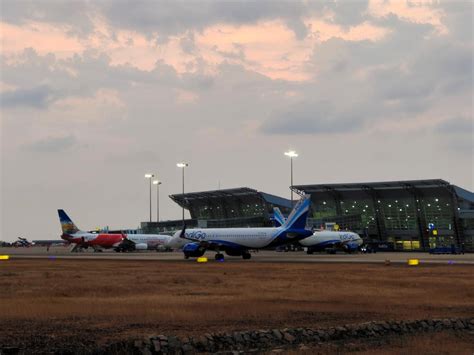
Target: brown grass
112, 299
444, 343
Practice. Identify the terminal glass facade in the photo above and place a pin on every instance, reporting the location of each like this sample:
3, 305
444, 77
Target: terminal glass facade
409, 215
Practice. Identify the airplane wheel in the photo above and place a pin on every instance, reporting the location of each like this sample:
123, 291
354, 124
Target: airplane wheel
309, 252
246, 256
186, 257
219, 256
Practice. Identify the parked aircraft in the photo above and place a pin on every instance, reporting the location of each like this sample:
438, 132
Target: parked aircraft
238, 241
117, 241
322, 240
23, 242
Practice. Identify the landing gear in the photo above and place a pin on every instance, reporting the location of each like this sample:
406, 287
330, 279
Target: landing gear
246, 255
309, 251
219, 257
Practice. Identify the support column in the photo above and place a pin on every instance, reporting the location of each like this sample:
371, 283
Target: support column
457, 223
423, 233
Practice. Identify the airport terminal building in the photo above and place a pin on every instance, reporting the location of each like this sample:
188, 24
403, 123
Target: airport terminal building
398, 215
405, 215
239, 207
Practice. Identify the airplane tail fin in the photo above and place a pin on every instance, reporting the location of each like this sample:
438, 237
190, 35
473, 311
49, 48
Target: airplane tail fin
67, 225
297, 217
278, 217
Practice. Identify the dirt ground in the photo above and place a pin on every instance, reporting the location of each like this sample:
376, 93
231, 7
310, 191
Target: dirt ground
46, 303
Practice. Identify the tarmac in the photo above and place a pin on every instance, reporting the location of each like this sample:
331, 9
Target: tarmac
257, 257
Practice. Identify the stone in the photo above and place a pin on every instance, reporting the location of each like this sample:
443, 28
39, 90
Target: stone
188, 349
238, 338
446, 323
323, 335
288, 337
173, 342
156, 345
277, 334
138, 343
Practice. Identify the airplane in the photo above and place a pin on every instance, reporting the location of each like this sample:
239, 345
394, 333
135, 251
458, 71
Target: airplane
120, 242
239, 241
23, 242
322, 240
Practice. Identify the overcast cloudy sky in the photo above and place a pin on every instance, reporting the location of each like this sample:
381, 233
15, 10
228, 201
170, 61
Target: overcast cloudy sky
94, 94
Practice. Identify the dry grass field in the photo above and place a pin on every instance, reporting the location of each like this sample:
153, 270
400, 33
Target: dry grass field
45, 302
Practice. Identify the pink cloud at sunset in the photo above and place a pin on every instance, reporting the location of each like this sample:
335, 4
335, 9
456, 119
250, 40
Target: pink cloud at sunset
414, 11
44, 38
269, 48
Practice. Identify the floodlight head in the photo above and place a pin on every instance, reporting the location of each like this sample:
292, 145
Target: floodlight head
291, 154
182, 165
156, 182
149, 176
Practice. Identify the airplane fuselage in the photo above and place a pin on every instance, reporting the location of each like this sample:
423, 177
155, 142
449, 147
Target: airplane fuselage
245, 238
112, 240
102, 240
326, 239
152, 241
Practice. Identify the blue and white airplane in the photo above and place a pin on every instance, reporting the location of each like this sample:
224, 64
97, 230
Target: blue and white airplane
238, 241
322, 240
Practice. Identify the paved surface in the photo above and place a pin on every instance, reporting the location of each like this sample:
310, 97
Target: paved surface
262, 256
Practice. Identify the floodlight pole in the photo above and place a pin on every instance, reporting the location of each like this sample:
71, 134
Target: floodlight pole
157, 183
291, 179
182, 165
158, 202
150, 200
183, 194
149, 177
292, 154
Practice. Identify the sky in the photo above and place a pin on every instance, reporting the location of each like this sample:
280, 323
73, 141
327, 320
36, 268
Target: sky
94, 94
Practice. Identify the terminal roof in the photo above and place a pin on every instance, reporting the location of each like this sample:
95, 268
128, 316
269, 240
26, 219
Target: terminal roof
384, 185
240, 192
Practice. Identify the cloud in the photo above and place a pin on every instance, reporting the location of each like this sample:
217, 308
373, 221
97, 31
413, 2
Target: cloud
74, 16
176, 17
52, 144
456, 125
320, 117
456, 134
37, 97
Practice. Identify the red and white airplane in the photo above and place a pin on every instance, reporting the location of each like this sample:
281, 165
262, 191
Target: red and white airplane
117, 241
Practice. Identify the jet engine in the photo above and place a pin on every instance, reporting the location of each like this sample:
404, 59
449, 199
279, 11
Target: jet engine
351, 247
193, 250
141, 246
